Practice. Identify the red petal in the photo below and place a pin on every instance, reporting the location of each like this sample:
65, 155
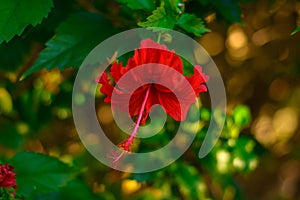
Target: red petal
7, 176
197, 80
117, 71
106, 87
171, 105
152, 52
177, 110
137, 99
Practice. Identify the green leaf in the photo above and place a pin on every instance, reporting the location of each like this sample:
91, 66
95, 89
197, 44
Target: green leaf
160, 18
241, 116
75, 190
176, 6
189, 181
192, 24
147, 5
39, 173
296, 30
15, 15
74, 39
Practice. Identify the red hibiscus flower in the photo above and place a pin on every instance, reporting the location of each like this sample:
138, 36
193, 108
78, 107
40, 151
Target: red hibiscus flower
161, 65
7, 176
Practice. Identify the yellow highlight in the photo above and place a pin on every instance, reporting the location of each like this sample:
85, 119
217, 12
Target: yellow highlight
223, 157
239, 163
237, 44
213, 48
285, 123
130, 186
237, 39
51, 80
6, 104
22, 128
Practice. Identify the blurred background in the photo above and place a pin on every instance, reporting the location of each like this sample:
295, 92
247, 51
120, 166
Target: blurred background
259, 62
258, 155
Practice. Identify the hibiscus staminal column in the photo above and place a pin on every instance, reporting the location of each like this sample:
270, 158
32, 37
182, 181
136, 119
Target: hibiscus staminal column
127, 143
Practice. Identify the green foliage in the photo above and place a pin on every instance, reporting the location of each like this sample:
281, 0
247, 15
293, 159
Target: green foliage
189, 181
147, 5
40, 173
233, 152
235, 155
244, 158
192, 24
173, 5
15, 15
160, 18
71, 44
296, 30
75, 189
170, 14
236, 122
205, 114
241, 116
